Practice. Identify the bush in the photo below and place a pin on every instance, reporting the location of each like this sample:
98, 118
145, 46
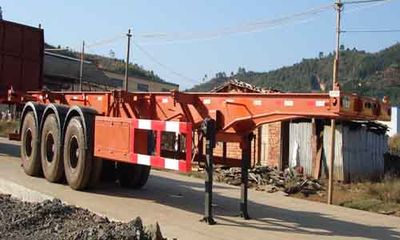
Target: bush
388, 191
394, 144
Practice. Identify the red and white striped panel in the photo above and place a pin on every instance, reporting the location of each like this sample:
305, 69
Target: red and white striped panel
167, 126
183, 165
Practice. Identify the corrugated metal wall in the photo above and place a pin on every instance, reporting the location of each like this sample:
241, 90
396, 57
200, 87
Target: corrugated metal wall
339, 167
300, 150
358, 153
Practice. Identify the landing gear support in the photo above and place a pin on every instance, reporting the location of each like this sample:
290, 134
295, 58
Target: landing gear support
245, 163
208, 130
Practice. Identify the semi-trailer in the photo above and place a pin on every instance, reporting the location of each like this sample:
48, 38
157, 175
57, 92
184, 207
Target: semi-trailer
77, 134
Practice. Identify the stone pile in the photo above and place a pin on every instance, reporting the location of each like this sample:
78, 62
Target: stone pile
271, 180
55, 220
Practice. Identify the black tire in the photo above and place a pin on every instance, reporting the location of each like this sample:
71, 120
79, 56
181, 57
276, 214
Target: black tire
51, 150
97, 167
132, 175
77, 158
30, 152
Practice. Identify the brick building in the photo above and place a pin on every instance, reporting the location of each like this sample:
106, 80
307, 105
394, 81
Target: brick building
268, 145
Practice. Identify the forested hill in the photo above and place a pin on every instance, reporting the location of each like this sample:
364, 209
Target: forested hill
370, 74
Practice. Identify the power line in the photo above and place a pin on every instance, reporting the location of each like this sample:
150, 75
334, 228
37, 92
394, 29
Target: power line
364, 1
152, 58
372, 31
241, 28
106, 41
367, 6
256, 26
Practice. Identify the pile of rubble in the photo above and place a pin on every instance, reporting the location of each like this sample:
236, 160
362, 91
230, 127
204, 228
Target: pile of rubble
271, 180
55, 220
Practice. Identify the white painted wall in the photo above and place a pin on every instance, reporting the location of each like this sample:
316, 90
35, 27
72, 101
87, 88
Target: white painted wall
394, 124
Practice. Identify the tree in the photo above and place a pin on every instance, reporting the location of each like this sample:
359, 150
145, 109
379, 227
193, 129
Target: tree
321, 55
342, 47
111, 53
1, 14
241, 71
220, 75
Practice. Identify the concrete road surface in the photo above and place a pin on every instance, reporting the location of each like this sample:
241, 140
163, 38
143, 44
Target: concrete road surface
176, 202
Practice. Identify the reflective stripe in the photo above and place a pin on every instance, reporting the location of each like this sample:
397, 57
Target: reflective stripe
171, 164
171, 126
207, 101
257, 102
143, 159
144, 124
288, 103
320, 103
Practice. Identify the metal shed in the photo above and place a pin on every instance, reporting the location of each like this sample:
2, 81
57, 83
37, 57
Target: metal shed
300, 150
359, 150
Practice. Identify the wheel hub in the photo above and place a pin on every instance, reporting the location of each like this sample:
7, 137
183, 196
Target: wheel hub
74, 152
50, 147
28, 144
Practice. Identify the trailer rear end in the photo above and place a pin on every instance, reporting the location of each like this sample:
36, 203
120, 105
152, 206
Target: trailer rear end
21, 58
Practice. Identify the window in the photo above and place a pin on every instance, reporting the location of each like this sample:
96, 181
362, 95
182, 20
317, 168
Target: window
142, 87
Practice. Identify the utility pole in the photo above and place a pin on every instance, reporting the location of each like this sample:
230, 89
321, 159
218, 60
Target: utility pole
335, 87
81, 68
128, 48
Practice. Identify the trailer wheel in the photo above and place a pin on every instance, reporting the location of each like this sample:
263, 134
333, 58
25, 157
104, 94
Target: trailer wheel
30, 153
132, 175
77, 159
97, 167
52, 162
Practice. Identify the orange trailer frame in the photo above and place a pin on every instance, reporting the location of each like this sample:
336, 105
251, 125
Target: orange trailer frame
227, 117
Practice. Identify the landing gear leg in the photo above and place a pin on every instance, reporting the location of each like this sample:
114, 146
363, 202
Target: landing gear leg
245, 163
208, 129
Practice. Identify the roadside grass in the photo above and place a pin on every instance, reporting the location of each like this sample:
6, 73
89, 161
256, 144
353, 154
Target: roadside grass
387, 191
380, 197
8, 127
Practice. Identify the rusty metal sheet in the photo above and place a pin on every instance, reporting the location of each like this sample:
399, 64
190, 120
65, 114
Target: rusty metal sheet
358, 153
21, 56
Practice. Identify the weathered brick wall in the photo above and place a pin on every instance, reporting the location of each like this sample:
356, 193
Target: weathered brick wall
273, 155
265, 148
232, 150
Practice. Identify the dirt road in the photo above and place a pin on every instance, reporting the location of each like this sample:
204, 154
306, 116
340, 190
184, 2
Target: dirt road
176, 202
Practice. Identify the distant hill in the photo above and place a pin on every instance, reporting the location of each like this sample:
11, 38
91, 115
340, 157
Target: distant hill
111, 64
370, 74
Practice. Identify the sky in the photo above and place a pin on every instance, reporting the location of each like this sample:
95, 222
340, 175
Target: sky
182, 41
